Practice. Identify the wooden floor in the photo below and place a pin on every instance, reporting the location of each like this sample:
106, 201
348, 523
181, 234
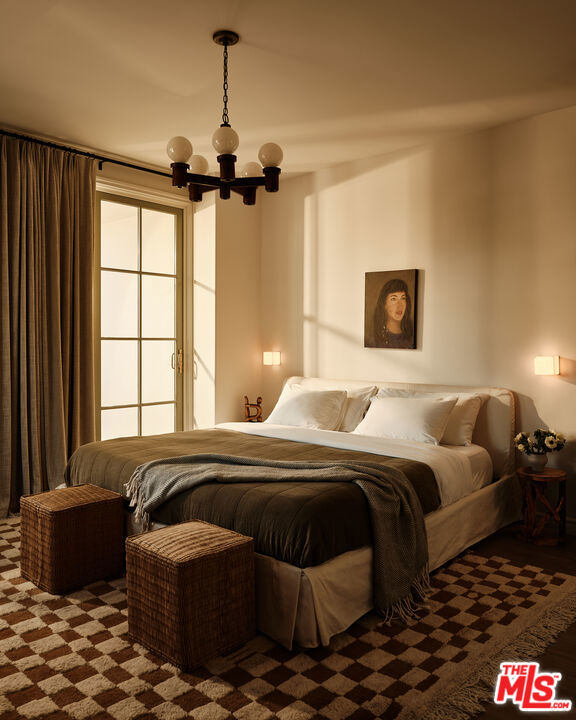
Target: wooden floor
561, 655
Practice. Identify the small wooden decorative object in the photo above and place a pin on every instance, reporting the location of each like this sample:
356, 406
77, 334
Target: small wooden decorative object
253, 411
535, 496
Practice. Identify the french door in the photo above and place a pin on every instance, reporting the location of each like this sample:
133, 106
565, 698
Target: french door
138, 299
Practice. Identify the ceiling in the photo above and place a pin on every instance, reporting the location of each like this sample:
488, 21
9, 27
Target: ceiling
329, 80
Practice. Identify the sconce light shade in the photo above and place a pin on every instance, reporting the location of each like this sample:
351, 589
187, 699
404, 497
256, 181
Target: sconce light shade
547, 365
271, 357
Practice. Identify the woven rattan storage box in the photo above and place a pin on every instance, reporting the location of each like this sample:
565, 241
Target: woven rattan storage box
190, 591
71, 537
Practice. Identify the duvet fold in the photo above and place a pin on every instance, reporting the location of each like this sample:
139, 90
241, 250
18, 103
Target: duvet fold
400, 555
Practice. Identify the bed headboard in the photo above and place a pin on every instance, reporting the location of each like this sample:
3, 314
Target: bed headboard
494, 428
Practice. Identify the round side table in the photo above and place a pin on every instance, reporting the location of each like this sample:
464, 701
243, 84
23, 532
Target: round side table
535, 497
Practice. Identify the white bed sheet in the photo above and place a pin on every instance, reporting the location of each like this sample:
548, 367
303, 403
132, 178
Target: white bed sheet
480, 463
459, 470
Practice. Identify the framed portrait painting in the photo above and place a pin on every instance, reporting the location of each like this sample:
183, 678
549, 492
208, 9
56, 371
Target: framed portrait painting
390, 309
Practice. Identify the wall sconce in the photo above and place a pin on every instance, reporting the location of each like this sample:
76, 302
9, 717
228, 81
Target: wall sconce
547, 365
271, 357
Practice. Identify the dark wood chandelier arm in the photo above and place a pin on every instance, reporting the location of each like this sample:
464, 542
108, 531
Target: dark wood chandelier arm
195, 192
209, 181
248, 192
270, 180
244, 186
247, 182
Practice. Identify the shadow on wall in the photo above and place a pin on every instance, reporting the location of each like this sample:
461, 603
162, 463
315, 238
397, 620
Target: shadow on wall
425, 212
527, 420
203, 393
568, 370
325, 333
351, 170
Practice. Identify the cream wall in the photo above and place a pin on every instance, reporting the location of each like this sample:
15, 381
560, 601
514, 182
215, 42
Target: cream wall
488, 219
238, 345
227, 353
204, 308
534, 266
423, 209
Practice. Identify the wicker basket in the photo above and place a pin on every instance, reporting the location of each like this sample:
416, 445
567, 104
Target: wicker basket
190, 591
71, 537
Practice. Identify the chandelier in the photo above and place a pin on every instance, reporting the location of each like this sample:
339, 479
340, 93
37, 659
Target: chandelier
189, 169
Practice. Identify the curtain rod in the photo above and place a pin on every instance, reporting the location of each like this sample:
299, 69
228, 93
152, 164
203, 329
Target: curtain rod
101, 158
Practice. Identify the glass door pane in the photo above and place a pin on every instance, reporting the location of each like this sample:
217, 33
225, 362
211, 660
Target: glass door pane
119, 372
118, 304
158, 298
118, 236
157, 419
158, 242
139, 288
119, 422
158, 359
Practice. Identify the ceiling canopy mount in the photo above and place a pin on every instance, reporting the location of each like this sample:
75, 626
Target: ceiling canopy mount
225, 37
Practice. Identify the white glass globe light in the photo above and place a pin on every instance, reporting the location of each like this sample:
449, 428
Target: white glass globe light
179, 149
198, 165
225, 141
251, 169
270, 155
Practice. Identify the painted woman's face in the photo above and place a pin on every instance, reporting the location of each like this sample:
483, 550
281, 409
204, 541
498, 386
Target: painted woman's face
395, 305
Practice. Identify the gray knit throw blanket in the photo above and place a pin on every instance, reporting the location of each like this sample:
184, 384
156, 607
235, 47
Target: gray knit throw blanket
400, 572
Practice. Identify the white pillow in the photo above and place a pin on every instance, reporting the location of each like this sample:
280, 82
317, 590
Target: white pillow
462, 419
407, 418
317, 409
355, 406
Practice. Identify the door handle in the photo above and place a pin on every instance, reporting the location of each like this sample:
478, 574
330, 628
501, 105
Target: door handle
179, 361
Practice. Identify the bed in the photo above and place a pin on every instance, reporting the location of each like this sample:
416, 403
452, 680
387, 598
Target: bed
307, 603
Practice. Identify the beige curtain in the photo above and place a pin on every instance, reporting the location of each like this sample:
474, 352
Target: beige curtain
46, 344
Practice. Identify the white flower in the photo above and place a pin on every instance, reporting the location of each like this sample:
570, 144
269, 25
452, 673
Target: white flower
550, 442
521, 447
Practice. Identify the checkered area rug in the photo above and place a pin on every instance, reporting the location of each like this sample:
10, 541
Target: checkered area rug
70, 657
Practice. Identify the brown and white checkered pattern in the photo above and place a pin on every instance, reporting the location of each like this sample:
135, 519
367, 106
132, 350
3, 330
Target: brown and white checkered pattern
70, 657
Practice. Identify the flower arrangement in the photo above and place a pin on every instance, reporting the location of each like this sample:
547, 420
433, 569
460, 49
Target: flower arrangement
542, 442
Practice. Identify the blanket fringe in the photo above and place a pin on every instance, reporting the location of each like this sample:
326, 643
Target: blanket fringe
478, 687
133, 493
407, 608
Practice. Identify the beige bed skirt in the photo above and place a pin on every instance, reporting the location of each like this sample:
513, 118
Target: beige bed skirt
308, 606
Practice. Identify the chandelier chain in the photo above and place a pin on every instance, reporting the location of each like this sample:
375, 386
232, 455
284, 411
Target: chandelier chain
225, 118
